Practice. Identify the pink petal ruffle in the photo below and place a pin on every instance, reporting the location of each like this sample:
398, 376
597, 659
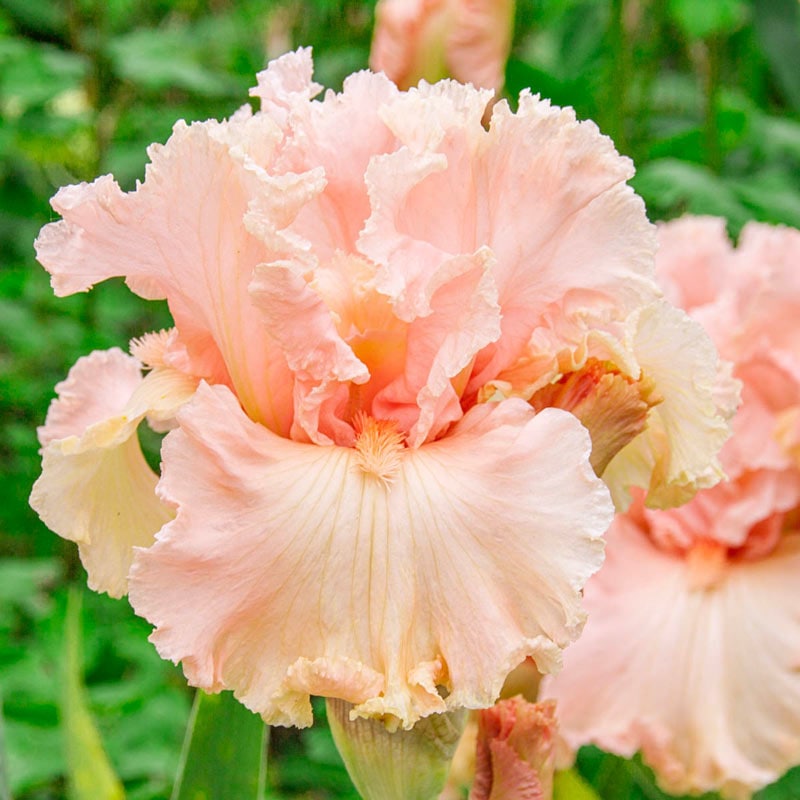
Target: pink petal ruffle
360, 589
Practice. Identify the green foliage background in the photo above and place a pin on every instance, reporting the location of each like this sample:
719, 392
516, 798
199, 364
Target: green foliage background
704, 95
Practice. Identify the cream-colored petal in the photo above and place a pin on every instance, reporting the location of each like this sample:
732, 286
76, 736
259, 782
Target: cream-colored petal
97, 386
96, 488
104, 499
704, 681
161, 394
287, 560
677, 453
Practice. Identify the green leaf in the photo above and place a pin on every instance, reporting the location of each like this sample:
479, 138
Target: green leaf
775, 138
671, 187
787, 788
38, 15
777, 26
33, 74
34, 756
168, 58
5, 792
26, 584
771, 197
224, 753
699, 20
89, 773
568, 785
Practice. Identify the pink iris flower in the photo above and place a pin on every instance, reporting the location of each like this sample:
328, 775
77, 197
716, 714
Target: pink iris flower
692, 648
364, 494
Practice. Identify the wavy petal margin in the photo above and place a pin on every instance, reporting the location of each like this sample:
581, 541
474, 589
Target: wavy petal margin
704, 681
289, 571
180, 235
96, 488
677, 454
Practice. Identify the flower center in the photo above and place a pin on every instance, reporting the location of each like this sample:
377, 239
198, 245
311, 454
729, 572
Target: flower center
706, 562
379, 447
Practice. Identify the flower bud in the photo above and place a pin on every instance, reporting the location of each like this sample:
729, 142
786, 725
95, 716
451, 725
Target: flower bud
467, 40
516, 753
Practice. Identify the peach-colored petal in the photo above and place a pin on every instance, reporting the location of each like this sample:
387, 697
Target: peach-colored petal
592, 233
728, 513
338, 136
441, 346
749, 293
436, 349
595, 232
286, 83
321, 560
691, 264
704, 681
96, 488
196, 252
320, 360
767, 287
431, 122
271, 212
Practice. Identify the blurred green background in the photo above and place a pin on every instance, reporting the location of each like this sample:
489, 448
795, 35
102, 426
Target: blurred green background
704, 95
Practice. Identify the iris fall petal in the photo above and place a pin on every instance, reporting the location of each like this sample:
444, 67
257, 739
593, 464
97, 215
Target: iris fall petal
362, 589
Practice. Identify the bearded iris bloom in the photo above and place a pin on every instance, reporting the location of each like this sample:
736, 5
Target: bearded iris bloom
364, 493
691, 650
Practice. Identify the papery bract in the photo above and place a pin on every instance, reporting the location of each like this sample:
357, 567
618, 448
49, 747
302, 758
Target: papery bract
691, 652
358, 500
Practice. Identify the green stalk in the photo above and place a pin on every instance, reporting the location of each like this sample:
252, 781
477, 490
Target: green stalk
710, 94
616, 111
